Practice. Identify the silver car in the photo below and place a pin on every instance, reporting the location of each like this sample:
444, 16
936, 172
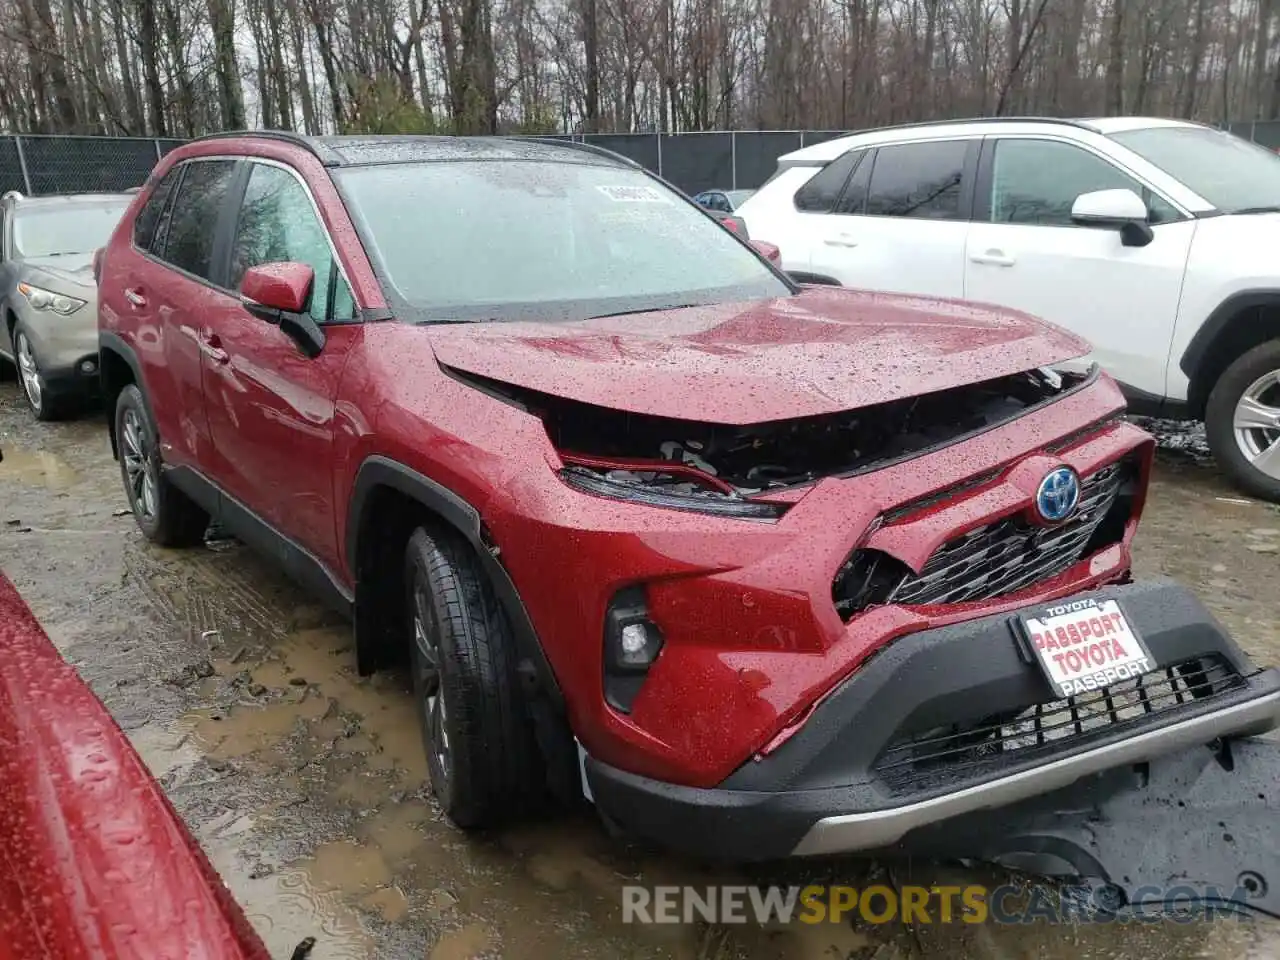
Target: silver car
48, 297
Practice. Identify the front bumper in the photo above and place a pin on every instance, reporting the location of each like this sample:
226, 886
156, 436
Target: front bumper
840, 784
66, 348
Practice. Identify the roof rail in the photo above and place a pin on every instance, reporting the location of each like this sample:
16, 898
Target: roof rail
1063, 121
582, 146
322, 153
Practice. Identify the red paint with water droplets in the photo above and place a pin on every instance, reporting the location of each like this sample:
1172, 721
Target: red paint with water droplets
94, 862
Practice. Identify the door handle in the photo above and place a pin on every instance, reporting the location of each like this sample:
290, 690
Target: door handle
211, 347
840, 240
994, 258
135, 296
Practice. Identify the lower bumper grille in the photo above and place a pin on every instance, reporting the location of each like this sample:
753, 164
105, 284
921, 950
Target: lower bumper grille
969, 749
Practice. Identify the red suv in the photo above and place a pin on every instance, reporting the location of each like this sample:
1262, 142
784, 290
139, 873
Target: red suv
759, 568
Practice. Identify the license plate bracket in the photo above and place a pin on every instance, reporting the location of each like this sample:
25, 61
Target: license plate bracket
1085, 645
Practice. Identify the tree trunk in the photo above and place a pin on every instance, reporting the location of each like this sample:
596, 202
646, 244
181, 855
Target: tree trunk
149, 44
1115, 61
222, 21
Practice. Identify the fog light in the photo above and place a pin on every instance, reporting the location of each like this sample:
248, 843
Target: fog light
639, 646
632, 643
88, 366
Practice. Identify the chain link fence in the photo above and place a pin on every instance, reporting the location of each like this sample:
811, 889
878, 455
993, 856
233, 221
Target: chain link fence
42, 165
693, 162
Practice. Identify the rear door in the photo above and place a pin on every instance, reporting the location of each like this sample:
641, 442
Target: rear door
158, 287
271, 408
901, 222
1025, 252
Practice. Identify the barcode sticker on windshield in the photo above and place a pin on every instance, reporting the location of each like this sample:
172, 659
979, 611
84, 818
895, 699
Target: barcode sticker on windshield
640, 194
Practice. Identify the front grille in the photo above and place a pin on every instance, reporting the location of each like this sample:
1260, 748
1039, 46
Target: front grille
996, 559
968, 749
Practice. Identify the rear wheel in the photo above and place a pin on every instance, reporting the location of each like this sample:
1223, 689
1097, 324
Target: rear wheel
165, 514
1242, 421
482, 756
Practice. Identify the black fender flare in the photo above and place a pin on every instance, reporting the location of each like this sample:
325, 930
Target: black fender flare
109, 342
379, 471
1218, 322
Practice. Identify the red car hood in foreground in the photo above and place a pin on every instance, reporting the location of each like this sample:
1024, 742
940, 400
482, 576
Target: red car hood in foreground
94, 863
826, 350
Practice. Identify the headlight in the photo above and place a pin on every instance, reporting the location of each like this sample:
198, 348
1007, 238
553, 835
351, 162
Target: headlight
42, 299
718, 504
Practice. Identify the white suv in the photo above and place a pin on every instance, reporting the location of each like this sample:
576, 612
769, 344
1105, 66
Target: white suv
1157, 240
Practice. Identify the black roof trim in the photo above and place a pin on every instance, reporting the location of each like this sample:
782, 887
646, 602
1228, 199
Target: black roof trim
582, 146
322, 153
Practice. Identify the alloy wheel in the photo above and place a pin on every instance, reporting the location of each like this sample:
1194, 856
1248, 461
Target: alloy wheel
1257, 424
427, 664
139, 470
29, 370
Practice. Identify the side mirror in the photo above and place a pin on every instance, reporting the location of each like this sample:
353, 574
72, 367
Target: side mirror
271, 288
1120, 209
277, 293
768, 251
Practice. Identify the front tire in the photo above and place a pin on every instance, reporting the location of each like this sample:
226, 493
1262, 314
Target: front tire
43, 405
165, 514
482, 756
1242, 421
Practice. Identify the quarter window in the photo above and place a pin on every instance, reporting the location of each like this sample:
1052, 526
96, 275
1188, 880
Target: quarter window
820, 193
193, 218
278, 223
1037, 182
144, 226
919, 180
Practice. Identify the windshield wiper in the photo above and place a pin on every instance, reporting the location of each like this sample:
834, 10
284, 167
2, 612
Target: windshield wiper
624, 313
1248, 210
427, 323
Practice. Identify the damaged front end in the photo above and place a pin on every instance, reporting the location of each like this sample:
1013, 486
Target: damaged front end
945, 741
737, 471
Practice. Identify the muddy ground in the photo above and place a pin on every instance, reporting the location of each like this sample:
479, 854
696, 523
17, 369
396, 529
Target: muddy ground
305, 783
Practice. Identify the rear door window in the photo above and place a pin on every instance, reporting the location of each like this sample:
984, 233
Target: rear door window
918, 180
193, 218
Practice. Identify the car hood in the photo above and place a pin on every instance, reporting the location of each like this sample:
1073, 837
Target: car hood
75, 269
822, 351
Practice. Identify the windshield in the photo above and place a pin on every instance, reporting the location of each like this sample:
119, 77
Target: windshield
738, 197
498, 240
1231, 173
65, 229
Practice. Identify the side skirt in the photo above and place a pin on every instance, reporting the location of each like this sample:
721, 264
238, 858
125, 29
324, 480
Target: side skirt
301, 565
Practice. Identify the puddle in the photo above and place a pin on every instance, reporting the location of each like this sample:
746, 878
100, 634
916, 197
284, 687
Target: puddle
36, 467
286, 907
464, 944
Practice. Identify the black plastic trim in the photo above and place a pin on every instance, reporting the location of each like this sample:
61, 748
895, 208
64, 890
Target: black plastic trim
934, 677
109, 342
379, 471
1145, 404
1217, 323
300, 564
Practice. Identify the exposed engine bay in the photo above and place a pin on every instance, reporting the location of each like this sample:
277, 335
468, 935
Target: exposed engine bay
690, 459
